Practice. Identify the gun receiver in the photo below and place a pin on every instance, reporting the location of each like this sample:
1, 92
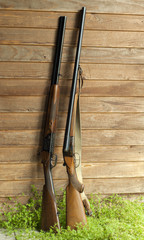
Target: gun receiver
49, 216
74, 206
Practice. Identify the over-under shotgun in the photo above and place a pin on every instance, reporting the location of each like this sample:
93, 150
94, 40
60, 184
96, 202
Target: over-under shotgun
74, 206
49, 217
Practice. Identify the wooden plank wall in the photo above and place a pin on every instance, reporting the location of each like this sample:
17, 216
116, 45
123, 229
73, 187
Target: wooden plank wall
112, 99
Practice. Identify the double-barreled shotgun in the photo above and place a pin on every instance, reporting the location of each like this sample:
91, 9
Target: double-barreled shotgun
75, 212
49, 216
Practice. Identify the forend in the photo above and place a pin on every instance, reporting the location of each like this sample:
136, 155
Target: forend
68, 150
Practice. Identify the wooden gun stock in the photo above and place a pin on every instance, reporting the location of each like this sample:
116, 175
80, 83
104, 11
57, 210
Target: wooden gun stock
49, 210
69, 161
49, 216
75, 213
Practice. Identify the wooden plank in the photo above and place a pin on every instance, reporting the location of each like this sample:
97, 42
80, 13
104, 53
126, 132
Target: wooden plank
114, 22
32, 70
121, 55
30, 154
112, 137
112, 153
19, 188
113, 88
20, 87
112, 39
31, 137
91, 38
98, 6
12, 87
50, 20
114, 186
88, 55
103, 186
89, 171
22, 104
35, 36
22, 121
123, 121
89, 137
112, 104
88, 104
20, 70
20, 155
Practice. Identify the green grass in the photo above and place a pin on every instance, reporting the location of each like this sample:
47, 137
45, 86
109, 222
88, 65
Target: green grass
113, 218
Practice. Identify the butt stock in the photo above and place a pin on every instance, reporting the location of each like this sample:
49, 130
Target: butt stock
49, 210
75, 213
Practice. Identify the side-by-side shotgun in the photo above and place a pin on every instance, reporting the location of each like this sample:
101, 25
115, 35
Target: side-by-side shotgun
75, 212
49, 216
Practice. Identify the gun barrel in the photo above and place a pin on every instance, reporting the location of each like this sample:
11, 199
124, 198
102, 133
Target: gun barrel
58, 53
74, 84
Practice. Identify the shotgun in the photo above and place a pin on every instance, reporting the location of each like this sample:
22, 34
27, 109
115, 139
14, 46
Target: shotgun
49, 215
75, 212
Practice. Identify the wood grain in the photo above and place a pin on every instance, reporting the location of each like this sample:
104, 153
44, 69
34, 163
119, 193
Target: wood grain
91, 38
114, 186
20, 87
30, 70
89, 55
93, 21
23, 187
89, 137
31, 154
97, 6
103, 186
89, 170
25, 121
112, 153
88, 104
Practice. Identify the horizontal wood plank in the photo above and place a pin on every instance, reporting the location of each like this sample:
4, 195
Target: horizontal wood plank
19, 70
48, 20
19, 188
112, 153
91, 38
31, 154
114, 186
89, 171
124, 121
21, 121
88, 104
103, 186
89, 137
112, 104
97, 6
12, 87
88, 54
32, 70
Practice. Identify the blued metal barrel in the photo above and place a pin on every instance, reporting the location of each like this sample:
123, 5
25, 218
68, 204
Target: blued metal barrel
58, 52
74, 84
